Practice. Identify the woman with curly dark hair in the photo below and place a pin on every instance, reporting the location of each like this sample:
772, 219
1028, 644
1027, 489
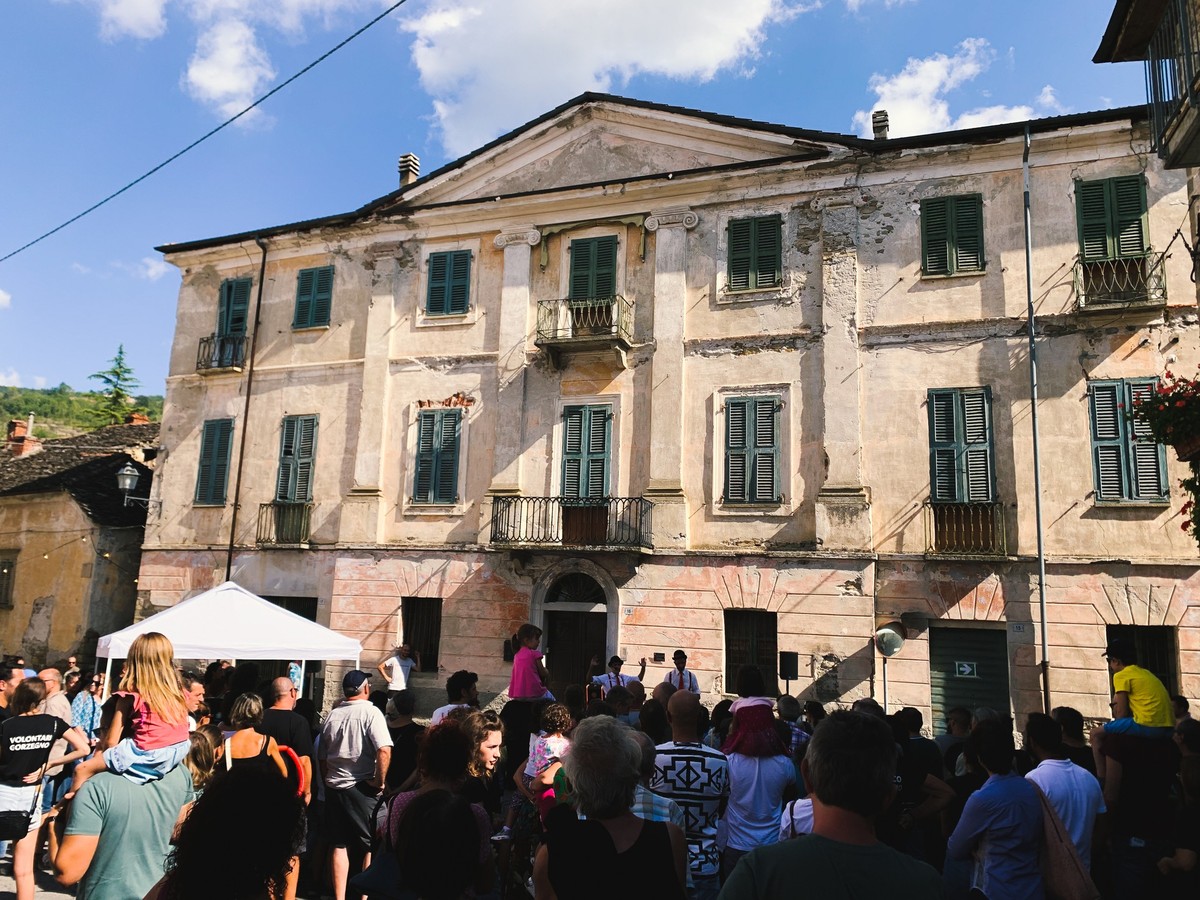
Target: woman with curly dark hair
250, 826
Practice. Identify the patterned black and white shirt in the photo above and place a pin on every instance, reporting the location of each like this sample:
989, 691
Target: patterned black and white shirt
697, 778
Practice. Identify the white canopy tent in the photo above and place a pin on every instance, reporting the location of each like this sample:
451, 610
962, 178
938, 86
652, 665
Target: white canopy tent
230, 622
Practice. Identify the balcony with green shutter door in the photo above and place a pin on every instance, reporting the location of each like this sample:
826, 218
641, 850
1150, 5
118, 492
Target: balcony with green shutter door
1115, 267
598, 523
594, 316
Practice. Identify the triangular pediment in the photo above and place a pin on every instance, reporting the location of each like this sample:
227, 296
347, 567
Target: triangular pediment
597, 141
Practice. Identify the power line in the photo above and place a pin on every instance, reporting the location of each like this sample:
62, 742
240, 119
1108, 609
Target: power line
201, 140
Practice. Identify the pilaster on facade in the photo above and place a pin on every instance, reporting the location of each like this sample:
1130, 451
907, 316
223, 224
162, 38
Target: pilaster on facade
517, 244
665, 486
843, 508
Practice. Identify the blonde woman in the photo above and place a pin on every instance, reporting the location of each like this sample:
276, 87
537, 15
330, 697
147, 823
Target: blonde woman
151, 707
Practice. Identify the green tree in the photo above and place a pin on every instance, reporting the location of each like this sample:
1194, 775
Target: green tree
116, 400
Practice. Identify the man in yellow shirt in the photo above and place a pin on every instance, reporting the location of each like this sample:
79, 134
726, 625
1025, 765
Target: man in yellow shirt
1141, 705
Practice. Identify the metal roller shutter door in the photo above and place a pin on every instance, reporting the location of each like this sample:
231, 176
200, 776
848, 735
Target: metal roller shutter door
968, 667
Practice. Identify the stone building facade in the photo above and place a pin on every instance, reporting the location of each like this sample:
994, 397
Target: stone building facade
656, 378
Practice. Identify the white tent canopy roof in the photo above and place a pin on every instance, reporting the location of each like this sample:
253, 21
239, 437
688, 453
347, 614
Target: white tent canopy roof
229, 622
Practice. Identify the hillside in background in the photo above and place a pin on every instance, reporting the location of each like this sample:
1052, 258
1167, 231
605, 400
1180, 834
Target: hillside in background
61, 411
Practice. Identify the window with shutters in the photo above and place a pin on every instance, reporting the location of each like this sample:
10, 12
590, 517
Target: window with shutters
1127, 464
755, 253
314, 297
297, 458
216, 446
1115, 264
751, 639
963, 515
752, 449
8, 576
593, 268
586, 451
952, 235
448, 292
961, 468
439, 442
233, 307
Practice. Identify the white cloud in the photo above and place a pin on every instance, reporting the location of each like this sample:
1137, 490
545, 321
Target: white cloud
915, 97
5, 299
491, 66
80, 269
856, 5
9, 378
143, 19
1048, 101
229, 69
149, 268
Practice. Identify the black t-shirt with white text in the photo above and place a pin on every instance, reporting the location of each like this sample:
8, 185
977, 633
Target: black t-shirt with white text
25, 743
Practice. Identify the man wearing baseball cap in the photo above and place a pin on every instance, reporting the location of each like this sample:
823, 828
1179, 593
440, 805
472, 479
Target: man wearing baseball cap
1141, 705
355, 749
613, 677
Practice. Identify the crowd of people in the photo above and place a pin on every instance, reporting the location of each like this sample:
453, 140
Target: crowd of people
188, 785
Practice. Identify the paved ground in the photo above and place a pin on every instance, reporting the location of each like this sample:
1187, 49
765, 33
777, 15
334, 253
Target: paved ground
47, 887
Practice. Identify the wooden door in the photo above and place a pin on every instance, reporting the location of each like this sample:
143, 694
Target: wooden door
572, 638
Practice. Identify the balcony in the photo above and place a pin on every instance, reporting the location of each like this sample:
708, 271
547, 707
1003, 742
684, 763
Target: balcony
282, 522
219, 352
597, 323
965, 529
604, 522
1173, 84
1113, 283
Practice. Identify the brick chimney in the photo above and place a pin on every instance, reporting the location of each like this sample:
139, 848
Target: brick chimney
19, 441
410, 169
879, 124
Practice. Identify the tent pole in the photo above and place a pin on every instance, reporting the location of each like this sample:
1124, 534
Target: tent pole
300, 690
107, 679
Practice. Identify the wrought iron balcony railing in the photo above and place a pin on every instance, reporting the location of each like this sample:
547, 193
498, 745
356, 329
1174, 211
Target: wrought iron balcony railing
282, 522
593, 322
572, 522
221, 351
1115, 282
965, 529
1172, 67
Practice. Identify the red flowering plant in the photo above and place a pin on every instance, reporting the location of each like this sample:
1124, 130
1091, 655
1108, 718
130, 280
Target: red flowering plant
1171, 413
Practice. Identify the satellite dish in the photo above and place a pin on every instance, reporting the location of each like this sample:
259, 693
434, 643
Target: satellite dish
889, 638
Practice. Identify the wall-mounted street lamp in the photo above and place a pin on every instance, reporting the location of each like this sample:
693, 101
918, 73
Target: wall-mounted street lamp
127, 479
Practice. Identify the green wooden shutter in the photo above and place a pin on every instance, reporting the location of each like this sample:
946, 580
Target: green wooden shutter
458, 286
1128, 204
573, 425
234, 305
1108, 440
737, 451
439, 438
755, 252
968, 233
314, 296
752, 449
437, 301
593, 268
586, 451
768, 263
216, 444
977, 445
426, 462
943, 447
446, 471
741, 253
1091, 210
297, 457
935, 236
1147, 457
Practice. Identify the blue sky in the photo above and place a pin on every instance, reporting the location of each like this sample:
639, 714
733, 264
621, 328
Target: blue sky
98, 91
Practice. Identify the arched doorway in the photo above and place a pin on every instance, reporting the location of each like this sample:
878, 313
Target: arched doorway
575, 612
